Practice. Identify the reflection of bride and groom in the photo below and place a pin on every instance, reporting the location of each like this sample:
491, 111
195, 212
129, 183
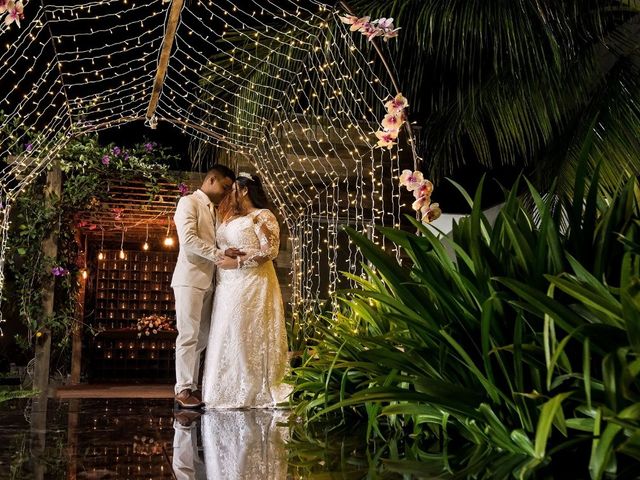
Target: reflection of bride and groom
228, 302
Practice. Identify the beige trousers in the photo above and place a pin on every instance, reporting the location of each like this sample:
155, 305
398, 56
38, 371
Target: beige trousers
193, 319
186, 463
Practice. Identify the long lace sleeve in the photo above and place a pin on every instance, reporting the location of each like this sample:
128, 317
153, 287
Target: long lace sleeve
268, 232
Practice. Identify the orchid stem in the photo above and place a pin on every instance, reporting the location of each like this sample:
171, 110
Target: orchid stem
394, 81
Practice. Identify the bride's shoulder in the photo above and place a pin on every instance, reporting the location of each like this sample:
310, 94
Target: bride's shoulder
262, 215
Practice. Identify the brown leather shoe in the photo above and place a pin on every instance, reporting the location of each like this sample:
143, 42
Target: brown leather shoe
197, 394
186, 417
186, 400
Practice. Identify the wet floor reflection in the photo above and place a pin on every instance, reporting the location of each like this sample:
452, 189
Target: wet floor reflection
236, 445
144, 439
96, 439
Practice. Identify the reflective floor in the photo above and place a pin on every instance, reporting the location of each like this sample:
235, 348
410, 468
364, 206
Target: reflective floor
142, 438
118, 438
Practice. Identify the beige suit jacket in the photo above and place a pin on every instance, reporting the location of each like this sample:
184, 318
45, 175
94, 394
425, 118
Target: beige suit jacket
196, 226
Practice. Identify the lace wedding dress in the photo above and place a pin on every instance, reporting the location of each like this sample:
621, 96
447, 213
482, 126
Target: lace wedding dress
244, 445
246, 355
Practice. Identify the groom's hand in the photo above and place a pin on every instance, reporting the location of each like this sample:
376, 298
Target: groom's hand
227, 263
233, 252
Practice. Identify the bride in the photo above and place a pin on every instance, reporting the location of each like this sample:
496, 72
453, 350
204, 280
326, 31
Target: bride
246, 354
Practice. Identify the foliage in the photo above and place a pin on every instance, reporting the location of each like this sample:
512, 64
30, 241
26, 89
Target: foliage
88, 168
531, 83
7, 394
524, 82
526, 342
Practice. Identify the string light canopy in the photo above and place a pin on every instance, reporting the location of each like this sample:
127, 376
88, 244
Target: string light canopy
282, 87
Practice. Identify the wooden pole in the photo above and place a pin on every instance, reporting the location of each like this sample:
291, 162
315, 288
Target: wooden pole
76, 329
165, 54
52, 191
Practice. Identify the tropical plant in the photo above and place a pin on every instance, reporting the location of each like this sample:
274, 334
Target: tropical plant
526, 341
524, 82
532, 83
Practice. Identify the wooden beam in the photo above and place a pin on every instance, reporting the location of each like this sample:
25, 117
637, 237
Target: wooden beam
52, 191
165, 54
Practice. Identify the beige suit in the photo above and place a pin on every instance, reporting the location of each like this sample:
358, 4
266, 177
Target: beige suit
192, 284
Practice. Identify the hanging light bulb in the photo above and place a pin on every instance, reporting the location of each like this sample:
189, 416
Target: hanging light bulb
168, 240
122, 255
101, 253
85, 274
145, 246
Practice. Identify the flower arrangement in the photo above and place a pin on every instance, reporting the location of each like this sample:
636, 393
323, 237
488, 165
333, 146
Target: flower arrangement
146, 446
154, 324
382, 27
14, 11
422, 190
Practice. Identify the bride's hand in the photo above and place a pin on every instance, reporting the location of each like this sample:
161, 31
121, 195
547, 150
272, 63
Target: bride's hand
227, 263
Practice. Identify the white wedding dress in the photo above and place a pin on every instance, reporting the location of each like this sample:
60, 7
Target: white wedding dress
246, 356
244, 445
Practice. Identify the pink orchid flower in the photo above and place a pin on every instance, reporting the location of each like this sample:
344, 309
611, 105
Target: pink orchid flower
411, 180
385, 23
371, 32
15, 14
386, 139
348, 19
419, 203
431, 212
424, 189
397, 104
393, 121
360, 24
3, 6
390, 34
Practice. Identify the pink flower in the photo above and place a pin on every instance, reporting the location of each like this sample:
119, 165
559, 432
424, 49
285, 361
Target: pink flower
184, 189
396, 105
386, 139
117, 212
385, 23
106, 159
15, 14
370, 31
424, 189
419, 203
360, 24
348, 19
390, 34
431, 212
59, 271
411, 180
393, 121
3, 6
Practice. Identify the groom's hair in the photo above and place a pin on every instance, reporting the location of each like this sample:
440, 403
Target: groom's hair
222, 170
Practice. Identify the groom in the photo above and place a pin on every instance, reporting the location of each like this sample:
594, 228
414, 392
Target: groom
192, 281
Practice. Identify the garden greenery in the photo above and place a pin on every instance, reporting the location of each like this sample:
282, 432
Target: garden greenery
525, 340
88, 169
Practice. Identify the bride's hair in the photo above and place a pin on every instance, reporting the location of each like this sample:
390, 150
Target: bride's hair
230, 206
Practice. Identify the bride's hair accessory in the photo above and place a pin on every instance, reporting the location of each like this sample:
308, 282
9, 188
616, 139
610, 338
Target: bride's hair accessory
245, 175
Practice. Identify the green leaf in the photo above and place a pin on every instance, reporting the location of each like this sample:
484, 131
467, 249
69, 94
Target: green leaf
548, 415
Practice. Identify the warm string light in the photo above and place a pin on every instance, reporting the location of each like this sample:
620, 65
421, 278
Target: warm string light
307, 127
145, 245
168, 239
101, 252
122, 255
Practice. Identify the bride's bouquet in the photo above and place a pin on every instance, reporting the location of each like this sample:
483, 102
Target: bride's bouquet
154, 324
